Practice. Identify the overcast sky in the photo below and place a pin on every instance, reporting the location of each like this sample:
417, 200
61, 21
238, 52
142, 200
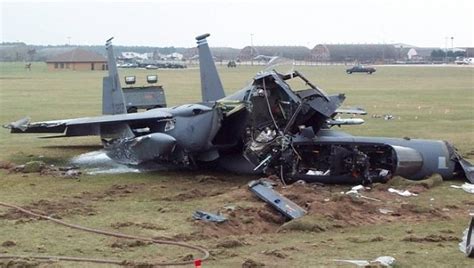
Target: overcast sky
234, 23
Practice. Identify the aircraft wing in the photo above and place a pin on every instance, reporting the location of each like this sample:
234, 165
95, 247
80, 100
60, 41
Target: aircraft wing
85, 126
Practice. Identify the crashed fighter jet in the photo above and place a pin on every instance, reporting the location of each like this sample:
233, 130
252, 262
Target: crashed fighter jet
264, 127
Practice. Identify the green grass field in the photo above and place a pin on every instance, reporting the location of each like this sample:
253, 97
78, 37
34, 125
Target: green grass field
427, 102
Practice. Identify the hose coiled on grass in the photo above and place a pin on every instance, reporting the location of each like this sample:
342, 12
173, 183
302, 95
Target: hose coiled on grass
205, 252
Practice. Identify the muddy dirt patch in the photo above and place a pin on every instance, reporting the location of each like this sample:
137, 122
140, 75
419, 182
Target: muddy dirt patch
191, 194
431, 238
116, 190
242, 221
230, 243
143, 225
23, 263
130, 244
8, 244
328, 207
54, 209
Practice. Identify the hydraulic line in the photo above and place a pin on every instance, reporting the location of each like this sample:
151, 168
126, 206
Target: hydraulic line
205, 252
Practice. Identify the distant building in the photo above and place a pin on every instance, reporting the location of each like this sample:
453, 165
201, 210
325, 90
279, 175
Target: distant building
417, 53
175, 56
289, 52
77, 60
469, 52
131, 56
219, 53
355, 52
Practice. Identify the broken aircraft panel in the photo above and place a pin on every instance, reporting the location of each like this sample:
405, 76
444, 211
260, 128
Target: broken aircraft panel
265, 192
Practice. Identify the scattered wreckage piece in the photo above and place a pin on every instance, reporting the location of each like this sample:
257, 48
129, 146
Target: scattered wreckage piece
354, 192
405, 193
467, 243
382, 261
467, 187
264, 190
209, 217
467, 167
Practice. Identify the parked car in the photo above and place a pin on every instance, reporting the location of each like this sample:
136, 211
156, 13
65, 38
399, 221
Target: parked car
151, 67
361, 69
231, 64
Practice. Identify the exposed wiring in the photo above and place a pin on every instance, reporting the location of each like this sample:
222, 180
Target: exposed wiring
270, 107
282, 133
205, 252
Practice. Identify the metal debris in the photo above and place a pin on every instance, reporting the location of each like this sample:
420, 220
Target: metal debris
263, 189
206, 216
383, 261
405, 193
467, 187
354, 192
385, 211
387, 117
467, 244
230, 207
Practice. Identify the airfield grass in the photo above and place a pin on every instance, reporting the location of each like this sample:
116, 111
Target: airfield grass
426, 102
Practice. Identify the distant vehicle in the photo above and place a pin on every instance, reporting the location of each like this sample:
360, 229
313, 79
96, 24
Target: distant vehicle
151, 67
361, 69
231, 64
464, 61
173, 65
127, 65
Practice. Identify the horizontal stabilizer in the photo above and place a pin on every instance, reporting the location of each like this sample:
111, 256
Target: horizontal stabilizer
85, 126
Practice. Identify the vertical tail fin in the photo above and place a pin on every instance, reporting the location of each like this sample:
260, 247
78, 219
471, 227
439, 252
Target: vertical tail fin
113, 101
211, 86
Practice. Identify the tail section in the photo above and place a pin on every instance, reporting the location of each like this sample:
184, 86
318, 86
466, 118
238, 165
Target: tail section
113, 101
211, 86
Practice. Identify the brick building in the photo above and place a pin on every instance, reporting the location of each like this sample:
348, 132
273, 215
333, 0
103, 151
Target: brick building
77, 60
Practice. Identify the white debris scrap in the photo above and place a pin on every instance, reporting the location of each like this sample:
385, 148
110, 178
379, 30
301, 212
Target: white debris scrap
360, 263
462, 244
384, 261
354, 192
405, 193
385, 211
467, 187
467, 245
